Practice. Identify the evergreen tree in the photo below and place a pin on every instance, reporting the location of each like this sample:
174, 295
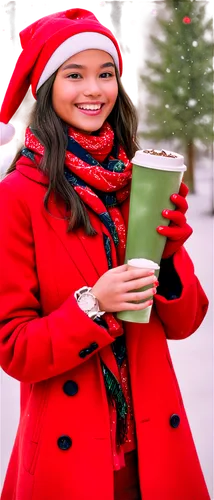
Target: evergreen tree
179, 79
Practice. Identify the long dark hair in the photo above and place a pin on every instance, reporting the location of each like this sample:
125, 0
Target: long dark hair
52, 133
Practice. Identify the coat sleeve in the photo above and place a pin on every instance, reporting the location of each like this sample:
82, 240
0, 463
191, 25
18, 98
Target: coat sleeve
32, 347
182, 316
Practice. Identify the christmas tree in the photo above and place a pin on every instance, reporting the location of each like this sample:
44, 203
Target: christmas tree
179, 79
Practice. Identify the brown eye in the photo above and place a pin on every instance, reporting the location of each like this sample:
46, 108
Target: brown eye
74, 76
106, 75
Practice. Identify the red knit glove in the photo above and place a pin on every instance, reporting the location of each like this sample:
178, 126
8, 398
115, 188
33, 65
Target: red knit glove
178, 230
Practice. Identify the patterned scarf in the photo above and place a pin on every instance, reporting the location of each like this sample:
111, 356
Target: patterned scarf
100, 173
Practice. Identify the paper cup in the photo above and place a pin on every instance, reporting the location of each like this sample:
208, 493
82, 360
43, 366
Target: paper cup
142, 316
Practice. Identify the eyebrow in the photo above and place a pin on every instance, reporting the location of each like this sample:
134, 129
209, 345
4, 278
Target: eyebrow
80, 66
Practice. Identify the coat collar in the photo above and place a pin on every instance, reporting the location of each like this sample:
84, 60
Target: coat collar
25, 167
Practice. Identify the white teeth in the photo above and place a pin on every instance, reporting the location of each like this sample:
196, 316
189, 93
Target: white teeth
90, 107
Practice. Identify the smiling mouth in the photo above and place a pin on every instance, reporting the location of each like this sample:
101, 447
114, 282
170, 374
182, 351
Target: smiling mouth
92, 110
89, 107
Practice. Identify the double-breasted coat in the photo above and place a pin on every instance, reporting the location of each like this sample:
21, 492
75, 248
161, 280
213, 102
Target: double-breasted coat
62, 449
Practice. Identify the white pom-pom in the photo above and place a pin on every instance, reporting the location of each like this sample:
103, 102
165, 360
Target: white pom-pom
7, 132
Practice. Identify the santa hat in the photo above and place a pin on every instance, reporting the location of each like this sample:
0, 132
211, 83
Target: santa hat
47, 44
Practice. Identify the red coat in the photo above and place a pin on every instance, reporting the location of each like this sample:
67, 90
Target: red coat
46, 340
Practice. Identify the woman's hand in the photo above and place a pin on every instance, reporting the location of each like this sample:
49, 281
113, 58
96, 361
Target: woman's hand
178, 230
116, 289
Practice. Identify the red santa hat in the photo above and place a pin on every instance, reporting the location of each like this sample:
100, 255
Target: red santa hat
46, 45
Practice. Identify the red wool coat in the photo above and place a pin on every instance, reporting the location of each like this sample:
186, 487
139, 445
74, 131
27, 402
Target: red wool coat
46, 340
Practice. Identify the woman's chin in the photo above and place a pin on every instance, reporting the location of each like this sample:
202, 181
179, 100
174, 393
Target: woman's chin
87, 129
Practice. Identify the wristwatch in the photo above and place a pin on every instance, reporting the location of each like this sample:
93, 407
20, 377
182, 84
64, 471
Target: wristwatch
88, 302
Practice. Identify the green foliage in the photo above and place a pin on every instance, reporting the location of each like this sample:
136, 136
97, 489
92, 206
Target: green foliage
179, 75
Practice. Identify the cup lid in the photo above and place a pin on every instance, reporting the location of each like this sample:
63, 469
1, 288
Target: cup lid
159, 160
143, 263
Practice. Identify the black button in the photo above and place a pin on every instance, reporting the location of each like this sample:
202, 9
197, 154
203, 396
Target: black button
174, 421
64, 442
70, 388
87, 350
84, 353
94, 346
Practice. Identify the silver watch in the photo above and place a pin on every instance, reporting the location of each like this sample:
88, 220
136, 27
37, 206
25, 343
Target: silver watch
88, 302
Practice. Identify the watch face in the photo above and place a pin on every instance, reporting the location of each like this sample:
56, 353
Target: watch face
86, 302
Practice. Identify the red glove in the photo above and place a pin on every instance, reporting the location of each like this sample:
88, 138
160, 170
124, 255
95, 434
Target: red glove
178, 230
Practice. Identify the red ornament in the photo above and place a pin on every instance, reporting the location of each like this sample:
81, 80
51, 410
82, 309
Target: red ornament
187, 20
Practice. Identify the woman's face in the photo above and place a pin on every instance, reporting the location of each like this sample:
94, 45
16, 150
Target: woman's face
85, 90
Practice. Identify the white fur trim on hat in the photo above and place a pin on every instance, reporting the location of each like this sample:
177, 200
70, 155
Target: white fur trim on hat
74, 45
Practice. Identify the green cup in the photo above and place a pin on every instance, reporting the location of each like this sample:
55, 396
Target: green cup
156, 175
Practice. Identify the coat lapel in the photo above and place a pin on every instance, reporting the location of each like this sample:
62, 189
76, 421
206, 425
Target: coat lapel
86, 252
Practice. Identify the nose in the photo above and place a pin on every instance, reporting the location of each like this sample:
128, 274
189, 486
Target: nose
92, 88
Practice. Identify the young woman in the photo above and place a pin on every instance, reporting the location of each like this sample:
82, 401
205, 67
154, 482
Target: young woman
101, 411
